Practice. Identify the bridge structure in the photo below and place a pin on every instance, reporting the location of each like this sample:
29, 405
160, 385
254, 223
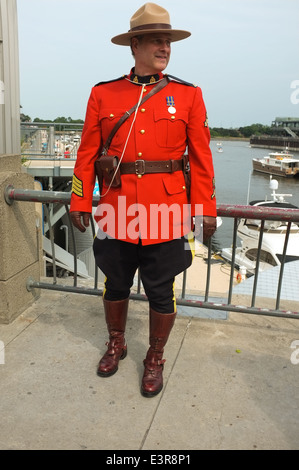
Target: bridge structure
49, 152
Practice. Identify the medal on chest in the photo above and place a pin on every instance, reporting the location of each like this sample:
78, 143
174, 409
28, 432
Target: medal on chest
170, 104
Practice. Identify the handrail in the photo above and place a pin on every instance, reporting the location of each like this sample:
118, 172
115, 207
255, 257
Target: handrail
235, 212
223, 210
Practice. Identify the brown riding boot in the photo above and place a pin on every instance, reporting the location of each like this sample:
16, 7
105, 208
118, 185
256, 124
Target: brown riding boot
160, 328
116, 317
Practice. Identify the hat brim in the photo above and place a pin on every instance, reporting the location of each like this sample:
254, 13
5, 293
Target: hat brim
125, 39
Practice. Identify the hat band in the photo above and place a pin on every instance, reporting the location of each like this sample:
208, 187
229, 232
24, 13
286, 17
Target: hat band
151, 26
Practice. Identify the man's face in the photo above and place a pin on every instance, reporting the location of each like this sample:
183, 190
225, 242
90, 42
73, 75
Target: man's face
152, 53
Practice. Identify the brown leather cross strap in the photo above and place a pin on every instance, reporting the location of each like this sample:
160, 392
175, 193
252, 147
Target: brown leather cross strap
154, 90
142, 167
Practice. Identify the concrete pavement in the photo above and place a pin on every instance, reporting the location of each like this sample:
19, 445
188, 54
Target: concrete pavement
228, 384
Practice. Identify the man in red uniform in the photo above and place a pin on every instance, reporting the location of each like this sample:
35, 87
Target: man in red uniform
145, 220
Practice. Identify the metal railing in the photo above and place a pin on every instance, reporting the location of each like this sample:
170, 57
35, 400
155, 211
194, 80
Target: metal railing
234, 212
50, 140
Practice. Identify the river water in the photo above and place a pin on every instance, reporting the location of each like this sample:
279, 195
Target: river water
236, 183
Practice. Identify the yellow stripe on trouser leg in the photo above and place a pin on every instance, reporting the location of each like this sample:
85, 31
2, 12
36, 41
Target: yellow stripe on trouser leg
191, 242
104, 290
174, 298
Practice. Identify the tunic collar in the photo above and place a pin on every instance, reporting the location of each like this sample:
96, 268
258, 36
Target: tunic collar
147, 79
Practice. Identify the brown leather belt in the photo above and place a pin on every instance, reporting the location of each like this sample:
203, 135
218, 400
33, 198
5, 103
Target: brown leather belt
141, 167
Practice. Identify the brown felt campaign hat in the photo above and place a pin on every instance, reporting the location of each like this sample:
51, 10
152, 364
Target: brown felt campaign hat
150, 18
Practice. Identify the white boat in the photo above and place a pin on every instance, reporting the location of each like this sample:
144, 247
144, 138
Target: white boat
278, 164
273, 237
219, 147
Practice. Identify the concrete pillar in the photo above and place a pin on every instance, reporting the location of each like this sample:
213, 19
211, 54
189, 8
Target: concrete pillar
19, 230
20, 236
9, 79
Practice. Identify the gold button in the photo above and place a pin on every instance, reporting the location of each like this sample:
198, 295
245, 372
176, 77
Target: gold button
139, 154
144, 90
142, 131
142, 110
172, 117
139, 176
111, 115
184, 187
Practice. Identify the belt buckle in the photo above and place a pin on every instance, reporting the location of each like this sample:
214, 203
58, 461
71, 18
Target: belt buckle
139, 167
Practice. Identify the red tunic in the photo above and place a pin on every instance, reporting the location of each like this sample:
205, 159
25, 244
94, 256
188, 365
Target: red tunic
153, 207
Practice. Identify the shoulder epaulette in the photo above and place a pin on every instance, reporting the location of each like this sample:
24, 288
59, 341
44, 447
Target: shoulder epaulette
179, 80
113, 80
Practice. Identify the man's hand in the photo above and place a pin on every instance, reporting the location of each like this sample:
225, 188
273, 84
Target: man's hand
76, 220
209, 227
205, 227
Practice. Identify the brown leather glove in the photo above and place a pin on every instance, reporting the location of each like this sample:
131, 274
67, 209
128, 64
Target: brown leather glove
205, 227
76, 220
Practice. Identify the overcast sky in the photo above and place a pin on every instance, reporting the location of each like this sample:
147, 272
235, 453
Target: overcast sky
244, 54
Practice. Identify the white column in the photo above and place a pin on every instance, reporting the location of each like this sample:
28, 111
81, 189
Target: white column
9, 79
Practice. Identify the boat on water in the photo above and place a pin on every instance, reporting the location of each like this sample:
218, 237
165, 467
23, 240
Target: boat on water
219, 147
277, 164
273, 237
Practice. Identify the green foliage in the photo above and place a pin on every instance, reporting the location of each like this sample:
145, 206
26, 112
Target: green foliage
24, 160
40, 120
222, 132
59, 119
25, 118
243, 132
255, 129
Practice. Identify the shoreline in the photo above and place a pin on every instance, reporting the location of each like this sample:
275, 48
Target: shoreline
243, 139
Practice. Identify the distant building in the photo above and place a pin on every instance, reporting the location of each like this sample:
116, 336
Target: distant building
287, 125
285, 135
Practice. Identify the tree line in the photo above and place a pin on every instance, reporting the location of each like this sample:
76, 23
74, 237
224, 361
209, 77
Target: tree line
62, 119
243, 132
216, 132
